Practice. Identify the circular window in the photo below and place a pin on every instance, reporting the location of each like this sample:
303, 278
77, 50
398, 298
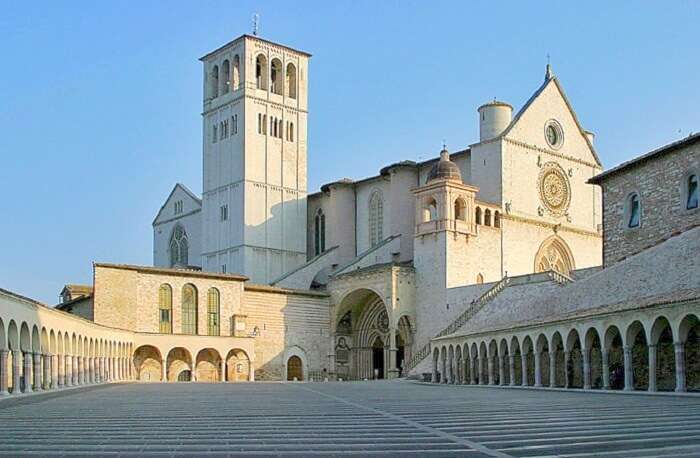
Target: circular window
554, 134
554, 189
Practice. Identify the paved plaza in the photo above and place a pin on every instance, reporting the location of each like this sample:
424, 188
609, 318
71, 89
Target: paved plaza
336, 419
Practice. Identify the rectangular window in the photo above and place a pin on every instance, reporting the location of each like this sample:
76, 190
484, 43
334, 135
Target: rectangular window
223, 212
223, 268
260, 123
264, 124
234, 124
215, 137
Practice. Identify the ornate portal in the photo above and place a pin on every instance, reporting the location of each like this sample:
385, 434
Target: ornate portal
554, 189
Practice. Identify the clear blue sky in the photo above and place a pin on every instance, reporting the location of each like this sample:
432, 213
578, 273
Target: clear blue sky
100, 101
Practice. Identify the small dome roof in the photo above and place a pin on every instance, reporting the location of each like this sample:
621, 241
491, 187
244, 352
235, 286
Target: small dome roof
444, 169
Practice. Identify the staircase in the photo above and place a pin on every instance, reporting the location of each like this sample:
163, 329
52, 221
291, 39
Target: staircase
458, 322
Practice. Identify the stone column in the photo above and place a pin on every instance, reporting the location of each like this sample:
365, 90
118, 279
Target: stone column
586, 353
53, 364
3, 373
60, 370
552, 369
36, 358
16, 355
679, 350
222, 377
103, 374
46, 385
81, 370
474, 368
538, 369
393, 371
629, 381
523, 366
483, 379
567, 358
606, 369
511, 369
501, 370
489, 363
93, 369
433, 376
163, 372
652, 367
74, 370
67, 370
27, 372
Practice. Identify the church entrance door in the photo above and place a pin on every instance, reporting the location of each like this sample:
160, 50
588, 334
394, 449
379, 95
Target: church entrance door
378, 358
294, 369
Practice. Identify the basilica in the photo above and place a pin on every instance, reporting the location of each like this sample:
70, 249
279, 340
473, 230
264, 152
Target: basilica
516, 260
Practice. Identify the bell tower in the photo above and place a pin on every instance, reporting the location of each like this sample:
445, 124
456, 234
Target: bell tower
254, 123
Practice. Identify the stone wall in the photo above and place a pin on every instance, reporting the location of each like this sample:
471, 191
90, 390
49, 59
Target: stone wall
660, 185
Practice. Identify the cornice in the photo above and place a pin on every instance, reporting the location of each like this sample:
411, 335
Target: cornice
175, 218
546, 224
552, 153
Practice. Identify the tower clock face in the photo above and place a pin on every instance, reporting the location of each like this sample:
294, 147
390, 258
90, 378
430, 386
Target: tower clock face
554, 189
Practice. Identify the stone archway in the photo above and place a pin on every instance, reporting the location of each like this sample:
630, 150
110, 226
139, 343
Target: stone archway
554, 254
295, 370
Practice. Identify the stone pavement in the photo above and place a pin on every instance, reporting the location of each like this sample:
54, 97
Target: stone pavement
350, 418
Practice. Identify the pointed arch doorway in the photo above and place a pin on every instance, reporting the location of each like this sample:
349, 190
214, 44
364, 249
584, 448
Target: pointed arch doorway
378, 358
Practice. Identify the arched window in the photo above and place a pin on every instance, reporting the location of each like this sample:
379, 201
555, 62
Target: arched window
189, 310
429, 210
165, 309
225, 77
214, 84
478, 215
276, 77
236, 75
280, 128
460, 209
319, 232
496, 219
633, 211
479, 279
178, 247
554, 254
291, 81
213, 302
487, 217
261, 72
376, 218
692, 192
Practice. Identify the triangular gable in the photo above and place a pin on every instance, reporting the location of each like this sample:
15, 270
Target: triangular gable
550, 79
197, 202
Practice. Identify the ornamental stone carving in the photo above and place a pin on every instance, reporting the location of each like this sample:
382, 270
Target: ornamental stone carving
554, 189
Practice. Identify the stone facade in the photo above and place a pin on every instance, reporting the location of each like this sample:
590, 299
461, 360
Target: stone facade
659, 178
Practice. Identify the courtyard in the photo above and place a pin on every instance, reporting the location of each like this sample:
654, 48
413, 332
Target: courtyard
350, 418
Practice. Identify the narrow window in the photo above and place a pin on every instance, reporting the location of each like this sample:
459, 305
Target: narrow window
226, 77
276, 77
692, 201
487, 217
223, 213
236, 77
319, 232
497, 219
291, 131
165, 309
216, 134
261, 72
214, 83
223, 268
460, 210
279, 129
213, 312
189, 310
478, 215
178, 247
479, 279
376, 218
291, 81
264, 124
634, 216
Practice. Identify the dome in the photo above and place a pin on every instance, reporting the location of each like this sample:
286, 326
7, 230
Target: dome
445, 169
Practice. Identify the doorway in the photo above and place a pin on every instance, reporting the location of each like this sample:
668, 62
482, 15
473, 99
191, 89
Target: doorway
378, 359
294, 369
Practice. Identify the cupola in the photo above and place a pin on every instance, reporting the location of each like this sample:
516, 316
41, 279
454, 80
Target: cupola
444, 169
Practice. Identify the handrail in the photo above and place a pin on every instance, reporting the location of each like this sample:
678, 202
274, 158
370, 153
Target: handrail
460, 321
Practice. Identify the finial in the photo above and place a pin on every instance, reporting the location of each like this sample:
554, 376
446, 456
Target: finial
548, 72
256, 25
444, 145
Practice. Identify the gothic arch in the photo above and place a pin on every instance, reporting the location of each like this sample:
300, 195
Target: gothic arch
554, 254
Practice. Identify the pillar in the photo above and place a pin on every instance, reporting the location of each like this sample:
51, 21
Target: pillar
46, 385
679, 348
67, 370
629, 383
511, 369
433, 376
93, 369
74, 370
586, 353
606, 369
36, 373
501, 370
538, 367
552, 369
475, 366
3, 372
61, 370
489, 362
222, 375
53, 365
27, 372
103, 375
567, 358
483, 380
163, 373
393, 371
81, 370
652, 368
523, 365
16, 355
